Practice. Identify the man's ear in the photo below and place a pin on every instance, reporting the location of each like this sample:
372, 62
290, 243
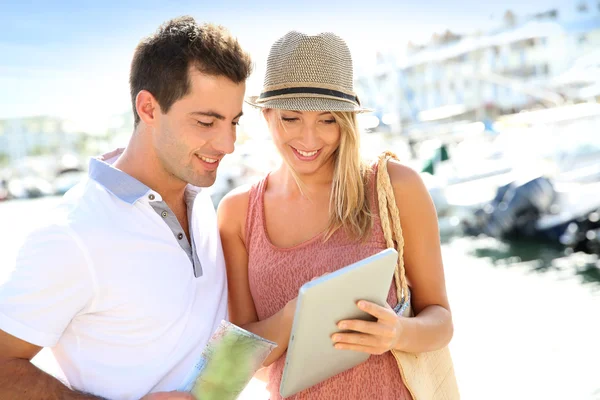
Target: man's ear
147, 107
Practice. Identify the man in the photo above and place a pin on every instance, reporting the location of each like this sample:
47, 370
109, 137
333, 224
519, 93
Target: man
126, 281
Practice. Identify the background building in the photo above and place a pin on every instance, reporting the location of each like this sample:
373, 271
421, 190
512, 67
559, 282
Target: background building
540, 60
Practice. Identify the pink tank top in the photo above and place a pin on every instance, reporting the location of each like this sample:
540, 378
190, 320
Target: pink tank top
275, 276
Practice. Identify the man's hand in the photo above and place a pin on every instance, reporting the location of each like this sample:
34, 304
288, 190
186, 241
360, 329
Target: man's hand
169, 396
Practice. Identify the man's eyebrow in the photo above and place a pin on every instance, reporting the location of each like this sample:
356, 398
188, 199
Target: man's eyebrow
214, 114
208, 114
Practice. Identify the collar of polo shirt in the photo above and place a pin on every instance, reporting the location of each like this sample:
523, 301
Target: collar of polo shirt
126, 187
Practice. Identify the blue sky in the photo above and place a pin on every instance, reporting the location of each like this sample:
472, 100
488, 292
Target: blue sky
71, 58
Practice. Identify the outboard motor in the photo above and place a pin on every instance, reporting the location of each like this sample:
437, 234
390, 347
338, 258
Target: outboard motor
515, 209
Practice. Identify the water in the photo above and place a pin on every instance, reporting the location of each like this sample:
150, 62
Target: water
526, 315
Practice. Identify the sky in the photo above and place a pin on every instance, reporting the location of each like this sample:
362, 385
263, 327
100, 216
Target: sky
71, 58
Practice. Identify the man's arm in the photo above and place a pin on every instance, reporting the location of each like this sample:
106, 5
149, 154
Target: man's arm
20, 379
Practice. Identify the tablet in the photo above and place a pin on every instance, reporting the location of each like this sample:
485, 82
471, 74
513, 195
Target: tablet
322, 303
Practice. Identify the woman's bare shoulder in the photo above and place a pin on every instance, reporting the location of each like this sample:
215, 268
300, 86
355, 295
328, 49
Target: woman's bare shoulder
404, 177
233, 207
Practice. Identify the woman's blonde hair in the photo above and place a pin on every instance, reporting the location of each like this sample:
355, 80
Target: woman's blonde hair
349, 207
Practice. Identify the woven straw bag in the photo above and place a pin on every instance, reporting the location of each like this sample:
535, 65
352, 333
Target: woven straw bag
428, 376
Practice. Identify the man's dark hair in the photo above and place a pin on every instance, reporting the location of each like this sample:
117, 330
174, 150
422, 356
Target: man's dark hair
161, 61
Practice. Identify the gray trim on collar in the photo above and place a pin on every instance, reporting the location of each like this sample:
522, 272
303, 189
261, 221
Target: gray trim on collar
122, 185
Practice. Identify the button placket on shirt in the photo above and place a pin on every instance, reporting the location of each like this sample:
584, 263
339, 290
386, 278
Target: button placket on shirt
156, 198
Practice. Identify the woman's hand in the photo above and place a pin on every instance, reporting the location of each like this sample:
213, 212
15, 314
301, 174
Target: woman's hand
370, 337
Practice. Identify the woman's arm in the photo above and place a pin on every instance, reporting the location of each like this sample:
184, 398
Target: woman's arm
431, 328
231, 216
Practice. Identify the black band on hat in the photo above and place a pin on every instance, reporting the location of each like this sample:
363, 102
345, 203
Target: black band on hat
309, 90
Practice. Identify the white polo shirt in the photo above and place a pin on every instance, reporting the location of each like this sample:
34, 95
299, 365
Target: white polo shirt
109, 284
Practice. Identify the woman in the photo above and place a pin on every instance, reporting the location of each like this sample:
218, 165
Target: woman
317, 213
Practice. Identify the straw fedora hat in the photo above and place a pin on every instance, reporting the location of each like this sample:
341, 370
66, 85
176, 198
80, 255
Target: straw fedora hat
309, 73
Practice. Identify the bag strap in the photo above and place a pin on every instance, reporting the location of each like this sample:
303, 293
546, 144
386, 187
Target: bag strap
390, 222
